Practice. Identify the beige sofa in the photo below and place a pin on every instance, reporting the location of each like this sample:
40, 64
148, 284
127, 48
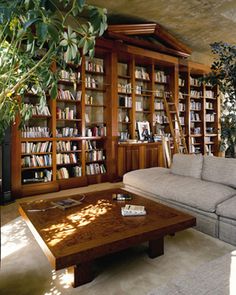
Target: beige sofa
204, 186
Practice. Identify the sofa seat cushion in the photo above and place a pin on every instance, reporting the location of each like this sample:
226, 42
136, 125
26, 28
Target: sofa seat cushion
221, 170
190, 191
227, 208
187, 165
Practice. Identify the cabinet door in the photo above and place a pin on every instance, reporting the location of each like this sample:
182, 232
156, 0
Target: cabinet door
132, 158
152, 156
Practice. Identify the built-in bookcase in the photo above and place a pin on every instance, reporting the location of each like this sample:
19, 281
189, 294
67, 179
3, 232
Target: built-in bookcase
211, 138
74, 139
125, 103
196, 114
64, 143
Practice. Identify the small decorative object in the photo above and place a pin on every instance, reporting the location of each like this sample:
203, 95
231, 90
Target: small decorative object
126, 119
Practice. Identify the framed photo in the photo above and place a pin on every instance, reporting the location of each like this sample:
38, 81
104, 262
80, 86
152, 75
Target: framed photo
143, 130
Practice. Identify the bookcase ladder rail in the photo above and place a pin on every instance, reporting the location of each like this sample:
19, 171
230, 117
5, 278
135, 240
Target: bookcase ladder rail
175, 129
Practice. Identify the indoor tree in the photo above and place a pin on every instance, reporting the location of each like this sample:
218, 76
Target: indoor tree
34, 34
223, 74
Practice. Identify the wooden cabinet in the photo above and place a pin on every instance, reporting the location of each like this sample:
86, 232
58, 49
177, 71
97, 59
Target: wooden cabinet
138, 156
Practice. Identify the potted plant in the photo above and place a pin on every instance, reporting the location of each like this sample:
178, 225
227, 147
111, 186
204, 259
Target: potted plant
34, 34
223, 74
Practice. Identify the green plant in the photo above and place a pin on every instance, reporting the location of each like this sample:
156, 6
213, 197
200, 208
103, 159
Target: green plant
223, 74
33, 33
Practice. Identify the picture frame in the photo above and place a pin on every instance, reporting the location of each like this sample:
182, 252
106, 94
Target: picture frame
143, 130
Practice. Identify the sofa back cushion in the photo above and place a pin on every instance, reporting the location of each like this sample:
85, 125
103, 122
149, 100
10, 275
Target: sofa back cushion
187, 165
221, 170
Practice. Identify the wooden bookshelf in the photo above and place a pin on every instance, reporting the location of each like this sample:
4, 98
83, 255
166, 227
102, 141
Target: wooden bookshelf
97, 108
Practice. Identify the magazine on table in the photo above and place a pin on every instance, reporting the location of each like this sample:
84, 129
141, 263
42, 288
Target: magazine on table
66, 203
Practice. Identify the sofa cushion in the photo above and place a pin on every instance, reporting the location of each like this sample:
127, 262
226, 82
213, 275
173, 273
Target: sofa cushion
227, 208
190, 191
187, 165
221, 170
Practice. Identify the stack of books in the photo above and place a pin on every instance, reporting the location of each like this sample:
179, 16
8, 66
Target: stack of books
133, 210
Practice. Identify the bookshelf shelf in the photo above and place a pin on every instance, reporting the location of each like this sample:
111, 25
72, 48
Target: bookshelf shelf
72, 120
36, 153
35, 167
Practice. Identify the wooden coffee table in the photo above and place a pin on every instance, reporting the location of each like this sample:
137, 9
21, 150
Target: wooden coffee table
74, 237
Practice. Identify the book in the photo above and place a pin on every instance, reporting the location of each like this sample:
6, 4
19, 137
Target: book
66, 203
133, 210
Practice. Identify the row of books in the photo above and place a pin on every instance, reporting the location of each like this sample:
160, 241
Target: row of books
194, 105
69, 76
37, 147
96, 131
210, 117
195, 130
141, 73
195, 81
161, 118
38, 176
94, 66
66, 113
209, 94
182, 120
36, 131
196, 94
161, 77
63, 172
158, 105
209, 105
66, 158
138, 106
66, 146
67, 132
89, 99
125, 101
91, 145
182, 107
95, 168
67, 95
181, 82
40, 111
95, 155
195, 117
36, 161
91, 82
124, 88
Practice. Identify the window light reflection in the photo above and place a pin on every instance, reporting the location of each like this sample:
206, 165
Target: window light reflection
60, 231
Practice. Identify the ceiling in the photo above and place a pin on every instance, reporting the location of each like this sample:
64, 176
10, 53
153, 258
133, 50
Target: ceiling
196, 23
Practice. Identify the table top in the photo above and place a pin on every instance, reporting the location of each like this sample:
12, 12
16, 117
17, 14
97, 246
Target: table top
96, 227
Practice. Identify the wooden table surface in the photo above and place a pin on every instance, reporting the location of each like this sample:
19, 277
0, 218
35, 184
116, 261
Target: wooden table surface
96, 227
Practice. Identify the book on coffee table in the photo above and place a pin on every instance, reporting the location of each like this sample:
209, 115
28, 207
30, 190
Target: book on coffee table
133, 210
66, 203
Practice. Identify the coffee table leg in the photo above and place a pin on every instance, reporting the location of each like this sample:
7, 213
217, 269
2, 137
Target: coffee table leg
82, 274
156, 247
